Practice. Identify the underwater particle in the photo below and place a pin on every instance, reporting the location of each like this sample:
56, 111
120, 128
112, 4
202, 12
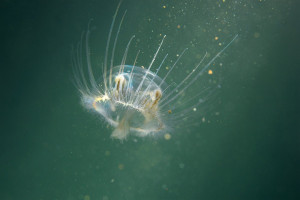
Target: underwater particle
216, 38
210, 72
256, 35
181, 165
121, 166
105, 198
194, 109
164, 6
112, 180
203, 119
178, 26
167, 136
220, 44
107, 153
223, 1
170, 111
164, 187
86, 197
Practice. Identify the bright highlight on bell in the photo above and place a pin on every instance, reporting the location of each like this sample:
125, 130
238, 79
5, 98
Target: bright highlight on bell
132, 99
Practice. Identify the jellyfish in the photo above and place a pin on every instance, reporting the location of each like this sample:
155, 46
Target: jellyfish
135, 100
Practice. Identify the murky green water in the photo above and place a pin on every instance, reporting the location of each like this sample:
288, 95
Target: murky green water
51, 148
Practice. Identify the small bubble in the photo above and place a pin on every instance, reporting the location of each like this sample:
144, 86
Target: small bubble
164, 6
194, 109
216, 38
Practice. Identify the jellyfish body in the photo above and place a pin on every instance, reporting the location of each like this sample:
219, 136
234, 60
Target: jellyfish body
133, 99
130, 104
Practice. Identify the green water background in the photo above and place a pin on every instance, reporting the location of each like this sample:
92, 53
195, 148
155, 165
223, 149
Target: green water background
51, 148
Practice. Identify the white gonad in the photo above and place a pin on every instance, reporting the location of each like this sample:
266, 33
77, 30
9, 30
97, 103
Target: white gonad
135, 100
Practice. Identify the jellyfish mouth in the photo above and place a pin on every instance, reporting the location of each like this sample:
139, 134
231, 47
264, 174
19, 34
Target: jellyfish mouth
128, 118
